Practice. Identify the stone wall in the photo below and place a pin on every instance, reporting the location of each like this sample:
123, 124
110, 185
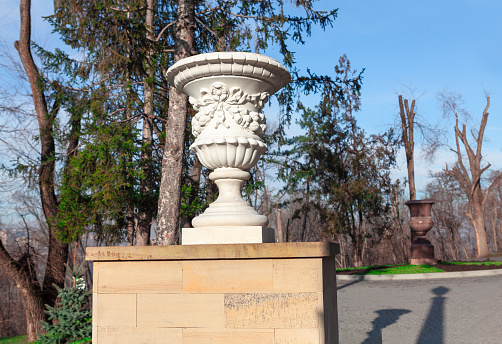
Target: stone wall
246, 293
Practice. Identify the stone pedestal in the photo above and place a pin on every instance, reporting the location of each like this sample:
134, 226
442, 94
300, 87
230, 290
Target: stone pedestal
422, 252
239, 293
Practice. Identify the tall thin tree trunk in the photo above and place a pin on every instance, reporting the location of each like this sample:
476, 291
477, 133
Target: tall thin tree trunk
130, 226
306, 212
407, 115
280, 234
145, 211
493, 221
168, 217
130, 219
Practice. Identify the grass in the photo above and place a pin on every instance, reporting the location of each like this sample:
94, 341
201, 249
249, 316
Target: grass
408, 269
14, 340
405, 269
472, 263
394, 269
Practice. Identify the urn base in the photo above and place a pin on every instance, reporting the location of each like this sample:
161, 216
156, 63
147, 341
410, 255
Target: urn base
230, 209
227, 235
422, 252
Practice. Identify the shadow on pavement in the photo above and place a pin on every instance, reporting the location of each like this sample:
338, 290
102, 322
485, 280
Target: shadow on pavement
433, 330
385, 318
347, 284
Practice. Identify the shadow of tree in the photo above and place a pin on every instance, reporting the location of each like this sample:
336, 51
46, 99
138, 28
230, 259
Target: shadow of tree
433, 329
347, 284
385, 318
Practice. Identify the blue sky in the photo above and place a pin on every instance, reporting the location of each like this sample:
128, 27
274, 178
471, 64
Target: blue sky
426, 45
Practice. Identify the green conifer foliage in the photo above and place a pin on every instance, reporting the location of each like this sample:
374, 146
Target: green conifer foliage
70, 319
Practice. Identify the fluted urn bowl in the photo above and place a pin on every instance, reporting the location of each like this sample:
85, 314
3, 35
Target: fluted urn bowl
239, 152
228, 90
420, 220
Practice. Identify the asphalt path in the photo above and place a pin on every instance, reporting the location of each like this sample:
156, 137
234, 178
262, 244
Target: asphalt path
455, 310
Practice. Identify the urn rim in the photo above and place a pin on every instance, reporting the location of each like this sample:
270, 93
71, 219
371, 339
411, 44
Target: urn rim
228, 64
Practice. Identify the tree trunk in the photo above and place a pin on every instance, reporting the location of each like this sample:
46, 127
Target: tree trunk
168, 217
34, 312
280, 234
35, 297
478, 220
145, 211
407, 115
305, 212
31, 292
357, 252
130, 226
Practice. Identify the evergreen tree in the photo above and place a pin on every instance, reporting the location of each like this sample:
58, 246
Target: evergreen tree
129, 45
114, 184
70, 319
337, 171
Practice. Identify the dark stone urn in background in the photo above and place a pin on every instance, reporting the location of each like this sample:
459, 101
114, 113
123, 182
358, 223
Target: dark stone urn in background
422, 251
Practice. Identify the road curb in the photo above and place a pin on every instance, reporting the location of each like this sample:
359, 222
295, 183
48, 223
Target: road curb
432, 275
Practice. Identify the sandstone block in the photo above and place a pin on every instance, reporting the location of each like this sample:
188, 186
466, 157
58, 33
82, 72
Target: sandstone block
227, 276
136, 335
297, 336
222, 336
272, 310
140, 277
181, 310
297, 275
115, 310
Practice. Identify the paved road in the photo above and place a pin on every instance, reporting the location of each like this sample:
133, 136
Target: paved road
441, 311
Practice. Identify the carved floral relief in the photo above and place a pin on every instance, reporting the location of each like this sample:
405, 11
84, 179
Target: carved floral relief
223, 104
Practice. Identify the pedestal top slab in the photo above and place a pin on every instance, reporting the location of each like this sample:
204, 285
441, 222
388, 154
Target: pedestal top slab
227, 251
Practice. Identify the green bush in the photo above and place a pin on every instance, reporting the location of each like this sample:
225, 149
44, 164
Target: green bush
70, 320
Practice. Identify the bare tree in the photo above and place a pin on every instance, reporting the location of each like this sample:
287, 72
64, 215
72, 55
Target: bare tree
407, 114
494, 213
469, 179
399, 219
447, 215
21, 270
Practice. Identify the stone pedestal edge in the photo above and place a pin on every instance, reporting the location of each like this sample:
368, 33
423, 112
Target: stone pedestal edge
217, 251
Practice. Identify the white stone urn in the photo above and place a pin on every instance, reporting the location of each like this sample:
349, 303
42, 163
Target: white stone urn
228, 91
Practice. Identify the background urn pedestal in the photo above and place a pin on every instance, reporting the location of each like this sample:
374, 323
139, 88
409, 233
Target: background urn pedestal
196, 294
422, 250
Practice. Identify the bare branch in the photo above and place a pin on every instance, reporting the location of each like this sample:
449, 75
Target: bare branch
492, 186
482, 127
206, 27
240, 15
163, 30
